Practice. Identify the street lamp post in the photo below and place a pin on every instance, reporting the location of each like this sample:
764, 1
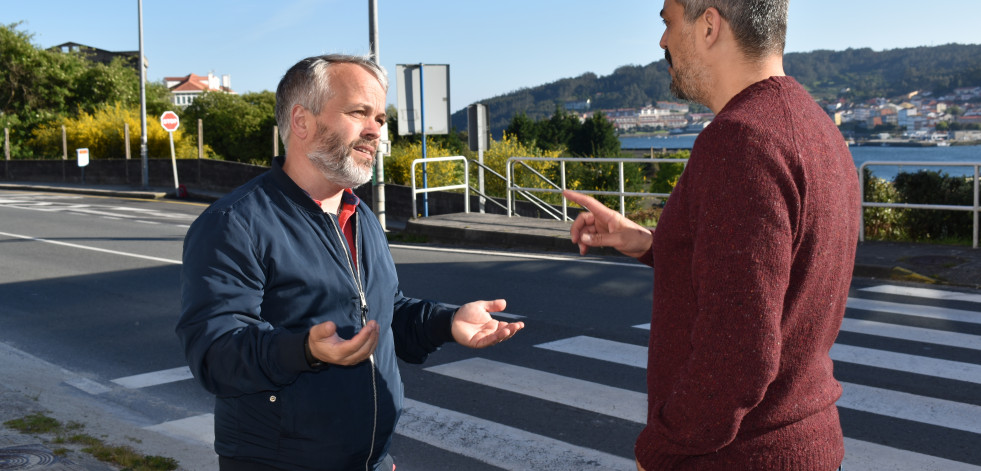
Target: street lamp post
379, 195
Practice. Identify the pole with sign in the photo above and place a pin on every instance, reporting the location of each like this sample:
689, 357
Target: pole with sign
170, 123
424, 106
83, 160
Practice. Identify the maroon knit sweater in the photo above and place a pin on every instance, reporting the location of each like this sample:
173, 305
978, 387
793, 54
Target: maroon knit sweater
752, 259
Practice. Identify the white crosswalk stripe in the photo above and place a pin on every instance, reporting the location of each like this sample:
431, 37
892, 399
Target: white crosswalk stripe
503, 446
606, 400
924, 293
932, 312
510, 447
915, 334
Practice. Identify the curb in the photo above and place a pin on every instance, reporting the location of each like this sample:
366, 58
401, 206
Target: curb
501, 237
894, 273
138, 194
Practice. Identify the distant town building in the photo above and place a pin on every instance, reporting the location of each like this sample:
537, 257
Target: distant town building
185, 89
578, 106
665, 115
95, 54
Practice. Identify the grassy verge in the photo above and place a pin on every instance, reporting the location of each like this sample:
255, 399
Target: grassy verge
68, 435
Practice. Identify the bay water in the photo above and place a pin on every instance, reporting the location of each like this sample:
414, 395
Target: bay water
860, 154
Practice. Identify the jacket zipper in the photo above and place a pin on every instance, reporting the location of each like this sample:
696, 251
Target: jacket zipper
356, 275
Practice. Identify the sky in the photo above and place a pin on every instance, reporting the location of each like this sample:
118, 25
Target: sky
492, 47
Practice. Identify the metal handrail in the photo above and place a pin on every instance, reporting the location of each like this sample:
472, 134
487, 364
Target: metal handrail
622, 193
546, 208
976, 209
465, 186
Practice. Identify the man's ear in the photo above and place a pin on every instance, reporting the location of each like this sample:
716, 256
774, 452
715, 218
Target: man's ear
301, 122
711, 21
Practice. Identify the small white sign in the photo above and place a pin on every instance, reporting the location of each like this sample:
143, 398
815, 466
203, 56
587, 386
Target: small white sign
83, 157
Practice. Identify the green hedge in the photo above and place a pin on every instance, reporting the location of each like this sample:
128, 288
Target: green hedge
919, 225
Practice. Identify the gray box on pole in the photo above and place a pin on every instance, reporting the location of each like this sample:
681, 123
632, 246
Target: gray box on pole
477, 127
410, 97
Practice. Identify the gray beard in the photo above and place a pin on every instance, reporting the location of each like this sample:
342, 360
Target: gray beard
334, 160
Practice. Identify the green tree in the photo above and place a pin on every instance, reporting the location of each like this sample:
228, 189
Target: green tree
238, 127
556, 132
99, 84
523, 129
666, 175
35, 82
932, 187
596, 137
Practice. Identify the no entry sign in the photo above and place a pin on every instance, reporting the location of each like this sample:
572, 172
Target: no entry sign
170, 121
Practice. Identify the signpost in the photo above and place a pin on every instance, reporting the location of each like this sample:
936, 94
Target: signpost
424, 106
83, 160
170, 122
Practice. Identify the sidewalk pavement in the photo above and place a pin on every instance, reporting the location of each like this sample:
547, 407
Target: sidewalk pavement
25, 390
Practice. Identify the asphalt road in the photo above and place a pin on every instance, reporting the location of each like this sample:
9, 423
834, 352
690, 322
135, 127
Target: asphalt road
90, 284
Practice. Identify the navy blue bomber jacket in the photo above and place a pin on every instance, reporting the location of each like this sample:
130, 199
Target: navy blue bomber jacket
261, 266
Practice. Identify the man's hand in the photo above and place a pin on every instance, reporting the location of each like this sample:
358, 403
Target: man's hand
474, 327
330, 348
604, 227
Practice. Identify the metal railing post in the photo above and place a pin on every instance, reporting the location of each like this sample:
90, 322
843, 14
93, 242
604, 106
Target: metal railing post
623, 203
510, 172
861, 195
977, 206
465, 186
565, 203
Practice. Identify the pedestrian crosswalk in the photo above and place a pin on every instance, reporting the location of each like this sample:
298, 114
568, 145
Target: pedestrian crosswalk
913, 358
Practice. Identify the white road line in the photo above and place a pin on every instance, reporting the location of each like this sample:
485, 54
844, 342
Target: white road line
916, 334
87, 385
925, 293
933, 312
557, 258
154, 378
95, 249
927, 410
907, 363
594, 397
600, 349
865, 456
500, 445
200, 428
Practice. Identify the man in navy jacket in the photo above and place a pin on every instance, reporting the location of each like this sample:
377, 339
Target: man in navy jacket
292, 313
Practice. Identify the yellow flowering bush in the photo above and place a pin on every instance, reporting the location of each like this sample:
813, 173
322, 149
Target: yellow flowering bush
102, 132
496, 158
398, 165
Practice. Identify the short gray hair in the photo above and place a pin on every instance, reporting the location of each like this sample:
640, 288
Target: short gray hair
307, 84
760, 26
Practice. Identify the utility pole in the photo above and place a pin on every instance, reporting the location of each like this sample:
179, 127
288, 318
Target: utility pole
383, 141
143, 157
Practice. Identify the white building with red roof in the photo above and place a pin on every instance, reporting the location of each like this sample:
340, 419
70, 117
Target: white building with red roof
185, 89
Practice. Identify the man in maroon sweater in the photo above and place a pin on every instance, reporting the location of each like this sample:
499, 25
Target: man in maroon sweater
752, 256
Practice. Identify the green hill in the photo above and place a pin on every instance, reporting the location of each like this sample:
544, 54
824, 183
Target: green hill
852, 74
